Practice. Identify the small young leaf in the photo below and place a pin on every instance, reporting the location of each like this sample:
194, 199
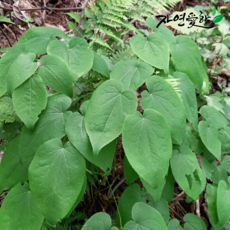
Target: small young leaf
163, 98
174, 224
55, 74
99, 221
213, 11
152, 50
100, 65
54, 171
145, 217
4, 19
213, 117
193, 222
129, 197
29, 99
132, 74
147, 144
106, 112
18, 210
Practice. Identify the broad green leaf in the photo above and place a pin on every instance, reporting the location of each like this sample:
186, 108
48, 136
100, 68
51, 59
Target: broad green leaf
55, 74
223, 202
106, 112
29, 99
59, 49
99, 221
51, 124
36, 39
76, 132
129, 172
210, 137
162, 207
213, 117
129, 197
132, 73
22, 68
11, 170
145, 217
186, 58
168, 191
206, 84
99, 65
18, 210
4, 19
56, 177
162, 30
225, 139
147, 144
211, 193
193, 222
152, 50
163, 98
188, 95
80, 57
5, 65
187, 171
174, 224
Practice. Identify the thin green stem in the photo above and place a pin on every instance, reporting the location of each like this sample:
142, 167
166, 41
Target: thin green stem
78, 87
118, 211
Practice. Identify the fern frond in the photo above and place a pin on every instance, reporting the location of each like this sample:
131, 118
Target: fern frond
123, 55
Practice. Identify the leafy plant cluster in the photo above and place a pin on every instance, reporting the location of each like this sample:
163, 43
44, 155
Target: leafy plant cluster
109, 19
50, 156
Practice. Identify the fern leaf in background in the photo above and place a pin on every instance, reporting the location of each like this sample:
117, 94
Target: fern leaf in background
111, 19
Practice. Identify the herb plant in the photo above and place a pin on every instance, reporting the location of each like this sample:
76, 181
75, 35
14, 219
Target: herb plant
161, 144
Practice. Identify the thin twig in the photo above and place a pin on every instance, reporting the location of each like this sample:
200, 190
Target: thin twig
82, 16
198, 207
44, 13
178, 196
5, 36
44, 8
116, 187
